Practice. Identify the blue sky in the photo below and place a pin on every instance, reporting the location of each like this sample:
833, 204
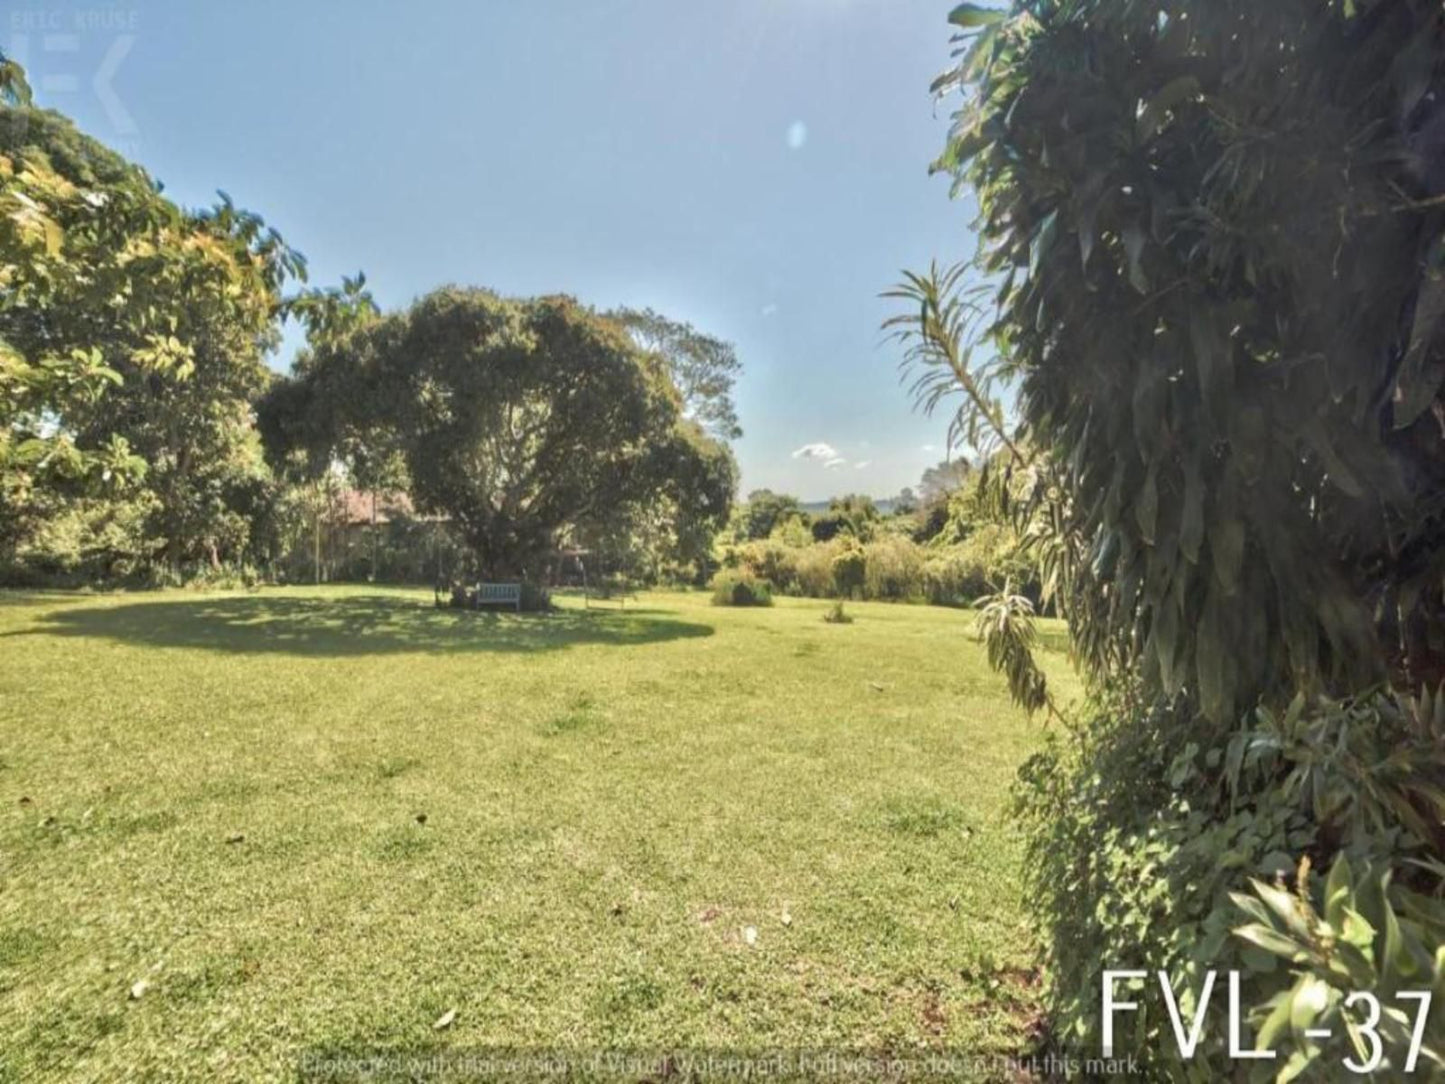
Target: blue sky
758, 167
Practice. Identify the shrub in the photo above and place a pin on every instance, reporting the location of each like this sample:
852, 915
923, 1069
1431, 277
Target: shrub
850, 567
1146, 830
771, 561
814, 570
740, 589
835, 614
85, 541
828, 526
893, 568
953, 578
1355, 933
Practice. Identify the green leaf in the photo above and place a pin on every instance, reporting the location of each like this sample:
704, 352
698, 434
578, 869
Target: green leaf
1212, 360
1214, 660
1338, 471
1423, 368
1146, 507
1270, 940
1395, 954
1043, 241
1310, 998
1337, 892
1284, 905
1191, 526
1276, 1022
971, 16
1134, 238
1156, 111
1357, 930
1226, 546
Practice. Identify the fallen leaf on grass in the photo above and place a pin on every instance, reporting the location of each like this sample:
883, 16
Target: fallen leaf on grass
875, 686
787, 916
750, 934
708, 915
138, 990
445, 1020
236, 837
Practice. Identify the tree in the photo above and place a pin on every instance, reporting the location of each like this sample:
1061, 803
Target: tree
1219, 296
669, 536
765, 511
942, 481
516, 419
703, 368
14, 89
1211, 241
119, 312
850, 568
938, 491
853, 514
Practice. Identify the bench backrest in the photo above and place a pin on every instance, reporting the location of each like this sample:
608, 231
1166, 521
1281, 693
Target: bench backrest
499, 592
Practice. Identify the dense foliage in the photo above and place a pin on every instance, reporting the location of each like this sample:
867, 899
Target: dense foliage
1211, 239
730, 588
136, 406
1220, 251
948, 552
704, 368
131, 342
516, 420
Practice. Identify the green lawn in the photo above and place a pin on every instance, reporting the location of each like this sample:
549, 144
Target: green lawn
564, 828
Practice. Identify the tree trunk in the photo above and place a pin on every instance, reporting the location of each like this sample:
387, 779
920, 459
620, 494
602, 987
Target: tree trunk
373, 536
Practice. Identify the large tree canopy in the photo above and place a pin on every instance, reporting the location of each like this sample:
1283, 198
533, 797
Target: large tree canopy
131, 331
516, 419
1218, 241
704, 368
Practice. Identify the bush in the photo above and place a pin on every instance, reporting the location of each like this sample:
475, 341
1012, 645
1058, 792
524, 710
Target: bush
771, 561
850, 568
740, 589
952, 578
835, 615
893, 569
1147, 829
85, 541
814, 570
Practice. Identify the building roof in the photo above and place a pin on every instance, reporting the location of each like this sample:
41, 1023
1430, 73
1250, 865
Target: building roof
356, 506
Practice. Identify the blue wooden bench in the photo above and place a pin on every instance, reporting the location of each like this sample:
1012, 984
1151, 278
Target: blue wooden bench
500, 594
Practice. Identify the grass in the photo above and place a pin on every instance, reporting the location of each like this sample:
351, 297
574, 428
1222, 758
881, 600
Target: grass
319, 819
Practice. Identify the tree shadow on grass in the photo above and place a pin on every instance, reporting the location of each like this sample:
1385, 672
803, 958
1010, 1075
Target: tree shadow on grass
357, 625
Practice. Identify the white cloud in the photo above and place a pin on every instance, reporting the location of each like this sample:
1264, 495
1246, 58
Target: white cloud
833, 464
864, 464
769, 309
797, 135
817, 450
928, 448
